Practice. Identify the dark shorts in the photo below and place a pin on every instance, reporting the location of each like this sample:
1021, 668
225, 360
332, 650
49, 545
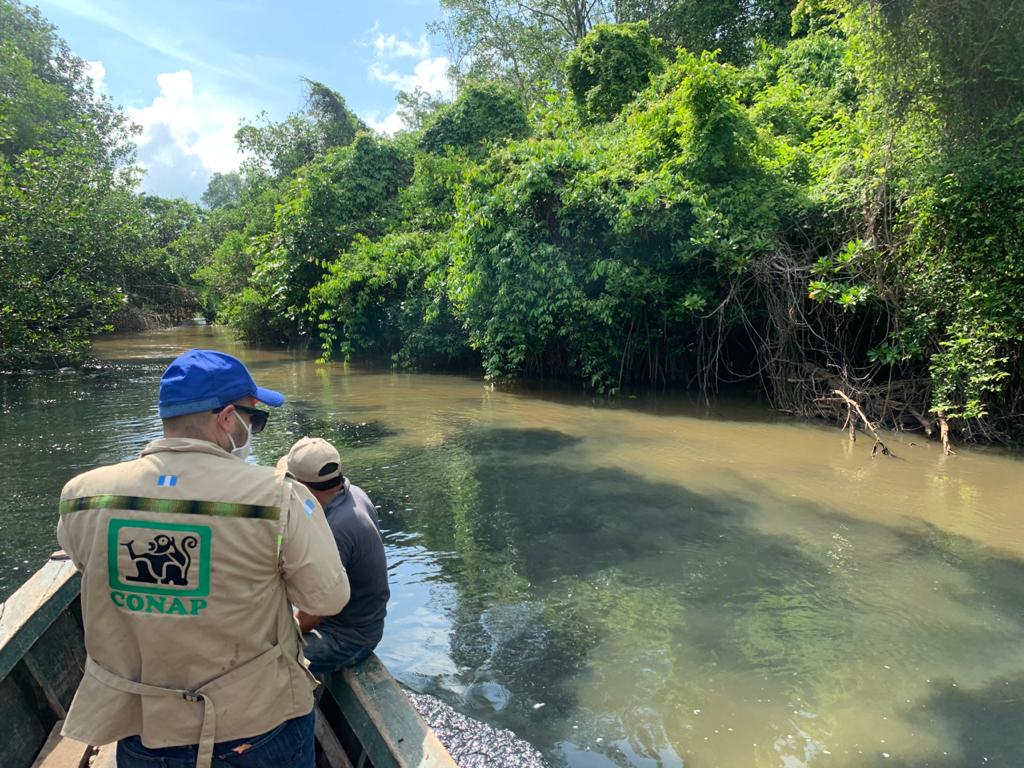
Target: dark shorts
328, 654
290, 745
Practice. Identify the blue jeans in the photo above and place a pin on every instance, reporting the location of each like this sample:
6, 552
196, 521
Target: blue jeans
290, 745
329, 654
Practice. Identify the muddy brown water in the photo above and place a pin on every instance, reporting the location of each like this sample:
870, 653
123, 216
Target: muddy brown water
623, 583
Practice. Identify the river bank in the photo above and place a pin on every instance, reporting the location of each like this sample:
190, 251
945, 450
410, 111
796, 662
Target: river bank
838, 409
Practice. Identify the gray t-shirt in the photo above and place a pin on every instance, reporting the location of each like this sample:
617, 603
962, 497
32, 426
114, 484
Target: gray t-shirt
356, 528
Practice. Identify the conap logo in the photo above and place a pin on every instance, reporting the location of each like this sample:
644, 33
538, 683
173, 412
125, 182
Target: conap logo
159, 568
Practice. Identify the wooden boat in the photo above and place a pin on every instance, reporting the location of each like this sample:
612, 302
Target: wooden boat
364, 720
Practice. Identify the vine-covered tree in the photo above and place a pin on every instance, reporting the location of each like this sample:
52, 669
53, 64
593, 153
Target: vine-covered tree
610, 67
325, 122
482, 113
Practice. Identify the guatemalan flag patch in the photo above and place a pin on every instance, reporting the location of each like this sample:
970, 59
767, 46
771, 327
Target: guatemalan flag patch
166, 481
310, 506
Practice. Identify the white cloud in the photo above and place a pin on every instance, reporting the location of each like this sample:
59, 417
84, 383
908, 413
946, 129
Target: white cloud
186, 136
97, 74
430, 74
389, 126
392, 46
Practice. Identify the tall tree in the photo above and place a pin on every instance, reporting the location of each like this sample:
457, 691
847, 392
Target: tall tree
69, 222
324, 123
415, 107
522, 44
223, 191
730, 26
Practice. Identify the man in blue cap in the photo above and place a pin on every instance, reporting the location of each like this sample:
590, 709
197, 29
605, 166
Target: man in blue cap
191, 562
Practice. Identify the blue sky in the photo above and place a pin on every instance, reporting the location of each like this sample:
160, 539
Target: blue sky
187, 71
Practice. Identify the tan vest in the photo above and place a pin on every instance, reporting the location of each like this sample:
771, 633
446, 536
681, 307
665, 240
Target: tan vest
190, 559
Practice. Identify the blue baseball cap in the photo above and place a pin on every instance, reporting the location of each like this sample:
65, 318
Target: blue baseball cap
203, 379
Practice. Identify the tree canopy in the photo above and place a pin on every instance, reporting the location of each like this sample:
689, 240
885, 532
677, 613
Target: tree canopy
610, 67
70, 225
806, 200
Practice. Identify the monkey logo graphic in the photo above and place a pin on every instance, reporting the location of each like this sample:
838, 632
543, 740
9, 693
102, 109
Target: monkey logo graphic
165, 561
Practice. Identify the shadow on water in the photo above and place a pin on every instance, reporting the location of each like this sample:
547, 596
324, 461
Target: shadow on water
303, 420
550, 562
737, 406
526, 443
597, 603
998, 577
985, 724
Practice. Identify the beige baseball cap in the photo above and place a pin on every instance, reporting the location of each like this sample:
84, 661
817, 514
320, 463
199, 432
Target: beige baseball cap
311, 460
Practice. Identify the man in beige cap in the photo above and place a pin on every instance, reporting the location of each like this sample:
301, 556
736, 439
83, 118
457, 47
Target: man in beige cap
191, 559
348, 637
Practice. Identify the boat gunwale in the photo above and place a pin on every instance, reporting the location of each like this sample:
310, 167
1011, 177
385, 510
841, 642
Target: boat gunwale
28, 613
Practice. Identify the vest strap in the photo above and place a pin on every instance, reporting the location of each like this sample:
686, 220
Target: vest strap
208, 735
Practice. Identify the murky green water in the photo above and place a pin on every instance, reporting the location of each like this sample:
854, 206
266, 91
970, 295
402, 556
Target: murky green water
624, 584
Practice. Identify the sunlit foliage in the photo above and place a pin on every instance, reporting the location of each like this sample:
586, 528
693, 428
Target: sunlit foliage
828, 199
609, 68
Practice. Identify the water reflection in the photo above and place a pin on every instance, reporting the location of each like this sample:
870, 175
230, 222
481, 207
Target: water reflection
639, 585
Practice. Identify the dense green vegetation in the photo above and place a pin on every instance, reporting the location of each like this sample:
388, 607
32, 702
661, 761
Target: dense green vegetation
811, 199
79, 249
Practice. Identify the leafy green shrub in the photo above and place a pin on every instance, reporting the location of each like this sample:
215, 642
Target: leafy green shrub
966, 274
386, 297
66, 228
593, 253
610, 66
481, 114
352, 191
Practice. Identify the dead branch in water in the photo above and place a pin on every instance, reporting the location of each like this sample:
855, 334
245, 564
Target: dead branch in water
947, 447
854, 411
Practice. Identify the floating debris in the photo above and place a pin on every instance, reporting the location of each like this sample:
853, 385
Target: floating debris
473, 744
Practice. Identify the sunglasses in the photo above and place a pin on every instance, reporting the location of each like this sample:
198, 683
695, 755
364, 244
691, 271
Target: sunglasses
257, 418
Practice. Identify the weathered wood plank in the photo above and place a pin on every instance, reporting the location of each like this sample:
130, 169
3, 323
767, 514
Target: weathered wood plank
42, 679
57, 661
32, 609
380, 715
328, 740
22, 732
62, 752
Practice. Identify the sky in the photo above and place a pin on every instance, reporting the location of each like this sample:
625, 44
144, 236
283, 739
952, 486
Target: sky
187, 72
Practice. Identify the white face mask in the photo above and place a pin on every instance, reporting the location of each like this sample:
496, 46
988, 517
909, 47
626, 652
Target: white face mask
242, 451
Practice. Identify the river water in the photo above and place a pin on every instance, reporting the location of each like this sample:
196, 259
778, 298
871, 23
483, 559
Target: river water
623, 583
